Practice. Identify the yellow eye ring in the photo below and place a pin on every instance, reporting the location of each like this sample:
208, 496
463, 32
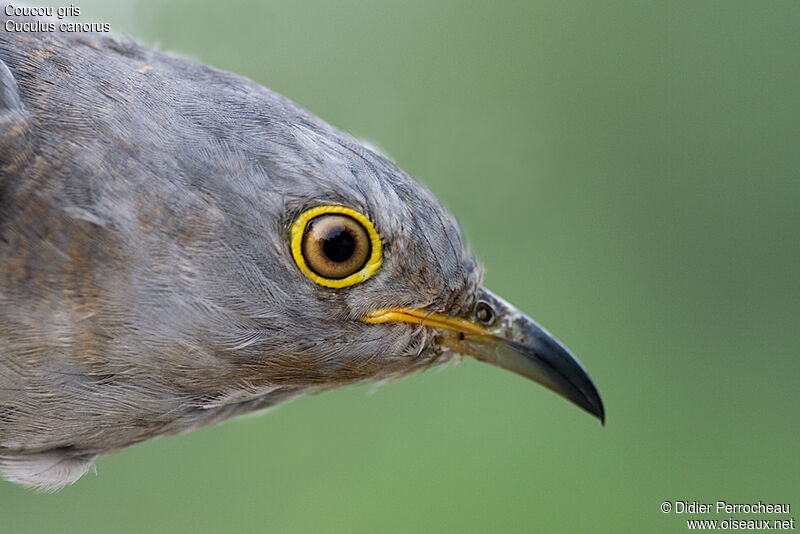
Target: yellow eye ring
373, 262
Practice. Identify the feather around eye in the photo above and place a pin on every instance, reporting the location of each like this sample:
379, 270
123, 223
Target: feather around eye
336, 246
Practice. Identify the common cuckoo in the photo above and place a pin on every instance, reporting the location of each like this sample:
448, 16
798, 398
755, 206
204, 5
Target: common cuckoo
180, 245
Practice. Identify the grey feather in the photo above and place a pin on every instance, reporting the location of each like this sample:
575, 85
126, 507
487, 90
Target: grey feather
146, 281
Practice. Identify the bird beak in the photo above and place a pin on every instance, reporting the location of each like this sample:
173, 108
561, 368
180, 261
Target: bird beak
495, 332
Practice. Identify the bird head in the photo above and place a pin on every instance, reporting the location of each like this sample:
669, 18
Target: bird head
371, 276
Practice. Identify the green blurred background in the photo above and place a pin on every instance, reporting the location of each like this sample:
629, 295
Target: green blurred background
628, 172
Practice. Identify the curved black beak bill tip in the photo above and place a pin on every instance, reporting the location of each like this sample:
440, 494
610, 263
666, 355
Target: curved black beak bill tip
545, 361
550, 363
503, 336
516, 343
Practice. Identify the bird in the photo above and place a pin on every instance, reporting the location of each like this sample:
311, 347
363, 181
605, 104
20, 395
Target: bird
180, 245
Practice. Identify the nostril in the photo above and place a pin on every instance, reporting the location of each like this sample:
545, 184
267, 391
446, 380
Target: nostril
484, 312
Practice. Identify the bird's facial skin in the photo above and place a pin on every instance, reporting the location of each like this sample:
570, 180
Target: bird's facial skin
349, 233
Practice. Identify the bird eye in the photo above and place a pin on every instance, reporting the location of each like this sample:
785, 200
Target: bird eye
335, 246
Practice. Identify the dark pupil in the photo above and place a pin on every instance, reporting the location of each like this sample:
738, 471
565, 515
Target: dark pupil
339, 245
